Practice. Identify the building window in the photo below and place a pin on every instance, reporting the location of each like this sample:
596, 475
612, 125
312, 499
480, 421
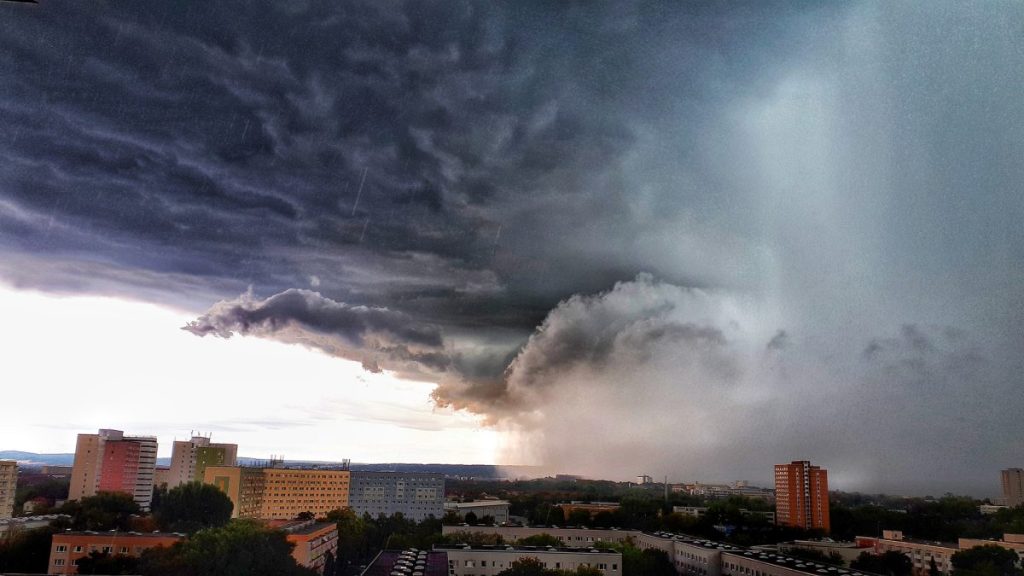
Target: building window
58, 562
62, 548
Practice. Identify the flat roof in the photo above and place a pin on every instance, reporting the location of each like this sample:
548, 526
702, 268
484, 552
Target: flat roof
410, 562
799, 564
914, 541
477, 503
305, 529
119, 534
532, 549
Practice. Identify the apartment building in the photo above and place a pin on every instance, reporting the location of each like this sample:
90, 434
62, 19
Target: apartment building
313, 542
590, 507
417, 496
109, 461
801, 496
8, 487
1012, 480
490, 560
413, 561
690, 556
1013, 542
920, 552
280, 493
244, 486
570, 537
289, 492
700, 511
497, 509
189, 459
67, 548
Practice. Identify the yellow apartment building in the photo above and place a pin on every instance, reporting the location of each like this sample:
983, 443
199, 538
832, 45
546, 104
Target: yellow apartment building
280, 493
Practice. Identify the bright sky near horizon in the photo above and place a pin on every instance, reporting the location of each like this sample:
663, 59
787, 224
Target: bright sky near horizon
127, 365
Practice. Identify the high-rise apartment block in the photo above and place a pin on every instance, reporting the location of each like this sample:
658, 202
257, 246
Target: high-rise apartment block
109, 461
416, 496
801, 495
1013, 486
8, 486
280, 493
189, 459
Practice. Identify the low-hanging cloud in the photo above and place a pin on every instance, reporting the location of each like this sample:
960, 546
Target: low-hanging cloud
670, 380
377, 337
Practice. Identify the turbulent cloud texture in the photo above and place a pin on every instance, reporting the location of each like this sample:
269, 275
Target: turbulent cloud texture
705, 237
375, 336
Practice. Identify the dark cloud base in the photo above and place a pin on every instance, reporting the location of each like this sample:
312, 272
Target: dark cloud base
828, 197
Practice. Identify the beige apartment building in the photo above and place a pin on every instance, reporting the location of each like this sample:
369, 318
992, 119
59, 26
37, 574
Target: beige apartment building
491, 560
280, 493
570, 537
244, 486
289, 492
8, 486
1013, 486
313, 542
190, 458
1013, 542
921, 553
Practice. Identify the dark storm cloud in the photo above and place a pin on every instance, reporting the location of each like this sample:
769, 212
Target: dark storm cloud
380, 338
262, 147
472, 189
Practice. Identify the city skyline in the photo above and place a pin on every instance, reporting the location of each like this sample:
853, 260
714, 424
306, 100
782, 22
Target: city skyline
691, 240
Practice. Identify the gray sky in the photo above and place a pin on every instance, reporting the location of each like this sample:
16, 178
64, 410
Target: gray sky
703, 237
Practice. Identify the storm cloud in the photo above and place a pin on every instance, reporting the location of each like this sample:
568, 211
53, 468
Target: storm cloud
377, 337
732, 235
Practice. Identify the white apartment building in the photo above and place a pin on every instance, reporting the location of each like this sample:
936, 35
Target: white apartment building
490, 560
497, 509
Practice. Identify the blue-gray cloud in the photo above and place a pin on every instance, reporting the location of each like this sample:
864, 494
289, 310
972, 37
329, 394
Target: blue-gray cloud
449, 176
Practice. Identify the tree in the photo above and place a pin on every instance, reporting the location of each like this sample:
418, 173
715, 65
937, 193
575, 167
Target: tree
26, 551
471, 519
451, 518
933, 568
578, 517
192, 507
889, 563
352, 539
51, 489
103, 563
544, 539
989, 560
816, 556
603, 519
241, 548
526, 567
647, 562
330, 566
103, 512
